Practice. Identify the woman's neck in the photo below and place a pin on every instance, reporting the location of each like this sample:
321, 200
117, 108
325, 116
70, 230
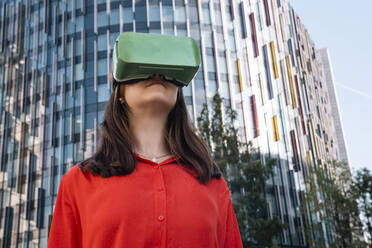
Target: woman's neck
149, 132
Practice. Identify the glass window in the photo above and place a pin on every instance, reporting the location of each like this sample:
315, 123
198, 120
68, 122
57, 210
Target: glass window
195, 32
193, 13
77, 47
208, 38
100, 116
77, 97
103, 93
128, 15
218, 17
206, 16
154, 31
69, 5
222, 64
89, 124
102, 19
113, 37
232, 41
79, 23
68, 153
67, 124
167, 14
154, 13
199, 95
181, 32
259, 20
60, 53
211, 64
102, 67
187, 90
212, 87
79, 73
114, 17
90, 95
220, 41
180, 14
225, 93
102, 42
141, 15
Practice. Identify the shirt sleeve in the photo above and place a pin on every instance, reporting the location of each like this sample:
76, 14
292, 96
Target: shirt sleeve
233, 238
63, 231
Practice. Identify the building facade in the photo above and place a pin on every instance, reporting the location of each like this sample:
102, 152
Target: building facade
331, 84
55, 80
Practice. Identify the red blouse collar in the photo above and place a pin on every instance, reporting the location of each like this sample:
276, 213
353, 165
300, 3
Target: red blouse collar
167, 161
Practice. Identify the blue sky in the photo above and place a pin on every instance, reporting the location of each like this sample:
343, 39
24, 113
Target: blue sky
345, 28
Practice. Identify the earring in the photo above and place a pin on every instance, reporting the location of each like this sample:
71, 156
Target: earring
121, 100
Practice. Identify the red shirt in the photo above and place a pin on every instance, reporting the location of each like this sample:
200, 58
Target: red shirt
157, 205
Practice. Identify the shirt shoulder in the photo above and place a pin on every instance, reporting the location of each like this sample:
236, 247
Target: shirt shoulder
75, 177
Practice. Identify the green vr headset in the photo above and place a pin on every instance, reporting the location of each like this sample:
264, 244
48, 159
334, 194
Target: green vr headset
138, 56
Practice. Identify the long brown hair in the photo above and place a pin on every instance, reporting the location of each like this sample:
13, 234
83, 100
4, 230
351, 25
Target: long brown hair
115, 155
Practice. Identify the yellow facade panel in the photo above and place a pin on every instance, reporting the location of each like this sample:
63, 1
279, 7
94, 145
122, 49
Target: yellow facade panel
289, 70
239, 75
275, 128
273, 58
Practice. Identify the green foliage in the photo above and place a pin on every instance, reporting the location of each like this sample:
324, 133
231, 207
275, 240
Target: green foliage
362, 188
245, 174
331, 193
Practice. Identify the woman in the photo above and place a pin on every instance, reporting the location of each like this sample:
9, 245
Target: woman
151, 183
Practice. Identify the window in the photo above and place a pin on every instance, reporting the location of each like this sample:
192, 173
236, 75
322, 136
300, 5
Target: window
296, 162
231, 41
289, 71
273, 58
231, 8
128, 15
267, 12
268, 74
102, 19
206, 16
275, 128
242, 20
254, 34
102, 67
167, 14
114, 17
180, 14
256, 129
300, 105
284, 81
258, 9
102, 42
154, 13
140, 14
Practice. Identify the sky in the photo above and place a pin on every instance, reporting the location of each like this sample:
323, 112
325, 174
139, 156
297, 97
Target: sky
345, 28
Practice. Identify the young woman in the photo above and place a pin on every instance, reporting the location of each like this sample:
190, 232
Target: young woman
151, 183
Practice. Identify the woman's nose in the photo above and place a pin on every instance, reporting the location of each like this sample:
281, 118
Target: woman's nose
157, 76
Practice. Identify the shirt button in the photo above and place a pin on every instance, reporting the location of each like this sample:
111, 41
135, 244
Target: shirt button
160, 189
156, 167
161, 218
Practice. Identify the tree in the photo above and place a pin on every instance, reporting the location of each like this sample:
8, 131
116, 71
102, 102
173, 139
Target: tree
332, 195
362, 188
245, 174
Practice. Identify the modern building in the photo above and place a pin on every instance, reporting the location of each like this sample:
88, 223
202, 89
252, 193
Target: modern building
55, 81
331, 84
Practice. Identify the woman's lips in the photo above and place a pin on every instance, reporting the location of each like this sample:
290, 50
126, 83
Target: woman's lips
157, 82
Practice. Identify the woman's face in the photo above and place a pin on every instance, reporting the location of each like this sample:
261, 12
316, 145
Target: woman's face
148, 95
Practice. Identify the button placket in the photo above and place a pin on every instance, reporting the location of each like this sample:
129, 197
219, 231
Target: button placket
160, 202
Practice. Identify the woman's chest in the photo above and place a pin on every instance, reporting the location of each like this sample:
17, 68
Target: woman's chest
147, 203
